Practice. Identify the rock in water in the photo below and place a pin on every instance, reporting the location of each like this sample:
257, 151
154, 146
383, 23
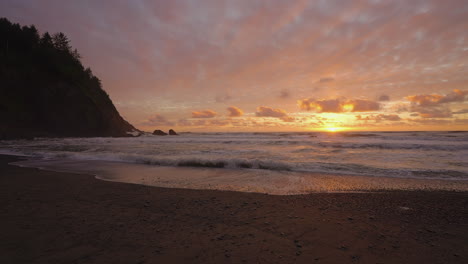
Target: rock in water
172, 132
158, 132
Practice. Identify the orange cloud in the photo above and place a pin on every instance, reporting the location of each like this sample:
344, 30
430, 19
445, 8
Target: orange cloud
263, 111
328, 106
435, 112
436, 99
234, 111
435, 105
338, 105
204, 114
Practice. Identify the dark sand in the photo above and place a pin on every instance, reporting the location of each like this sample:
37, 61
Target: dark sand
51, 217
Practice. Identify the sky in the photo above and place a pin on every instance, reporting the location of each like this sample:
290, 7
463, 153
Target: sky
246, 65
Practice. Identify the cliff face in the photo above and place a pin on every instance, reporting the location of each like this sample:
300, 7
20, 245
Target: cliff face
45, 91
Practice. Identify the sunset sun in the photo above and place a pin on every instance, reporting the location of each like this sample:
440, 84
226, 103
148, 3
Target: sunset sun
333, 129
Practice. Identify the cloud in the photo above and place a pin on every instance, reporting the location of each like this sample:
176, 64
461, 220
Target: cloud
263, 111
390, 117
360, 105
431, 112
427, 100
204, 114
284, 94
361, 45
157, 120
328, 106
384, 98
379, 117
326, 80
435, 105
455, 96
288, 119
462, 111
234, 111
338, 105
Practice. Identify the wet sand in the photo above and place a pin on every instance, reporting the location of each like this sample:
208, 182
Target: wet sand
54, 217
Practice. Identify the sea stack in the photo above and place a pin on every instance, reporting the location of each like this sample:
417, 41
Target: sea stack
172, 132
158, 132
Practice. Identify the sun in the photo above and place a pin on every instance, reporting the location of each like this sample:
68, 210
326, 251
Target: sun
333, 129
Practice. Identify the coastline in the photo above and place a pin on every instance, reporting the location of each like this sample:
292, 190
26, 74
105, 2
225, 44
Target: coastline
55, 217
272, 182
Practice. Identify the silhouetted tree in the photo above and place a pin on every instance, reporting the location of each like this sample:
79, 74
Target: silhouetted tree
61, 42
46, 40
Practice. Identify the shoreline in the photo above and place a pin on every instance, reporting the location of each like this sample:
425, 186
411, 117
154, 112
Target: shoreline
56, 217
270, 182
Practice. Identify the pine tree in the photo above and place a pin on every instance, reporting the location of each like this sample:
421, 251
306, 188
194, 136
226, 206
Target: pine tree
61, 42
46, 40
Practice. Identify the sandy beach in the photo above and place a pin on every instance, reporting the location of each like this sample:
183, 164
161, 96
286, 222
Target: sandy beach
51, 217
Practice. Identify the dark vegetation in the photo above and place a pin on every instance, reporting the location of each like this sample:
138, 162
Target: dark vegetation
45, 90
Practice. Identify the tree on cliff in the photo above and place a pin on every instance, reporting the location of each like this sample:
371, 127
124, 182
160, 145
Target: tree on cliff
61, 42
46, 91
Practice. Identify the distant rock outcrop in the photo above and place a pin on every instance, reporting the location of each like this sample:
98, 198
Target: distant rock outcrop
158, 132
46, 92
172, 132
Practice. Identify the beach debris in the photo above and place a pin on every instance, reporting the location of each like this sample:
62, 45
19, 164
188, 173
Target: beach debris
343, 247
403, 208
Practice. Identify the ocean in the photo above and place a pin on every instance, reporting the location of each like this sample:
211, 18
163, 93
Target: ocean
253, 161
